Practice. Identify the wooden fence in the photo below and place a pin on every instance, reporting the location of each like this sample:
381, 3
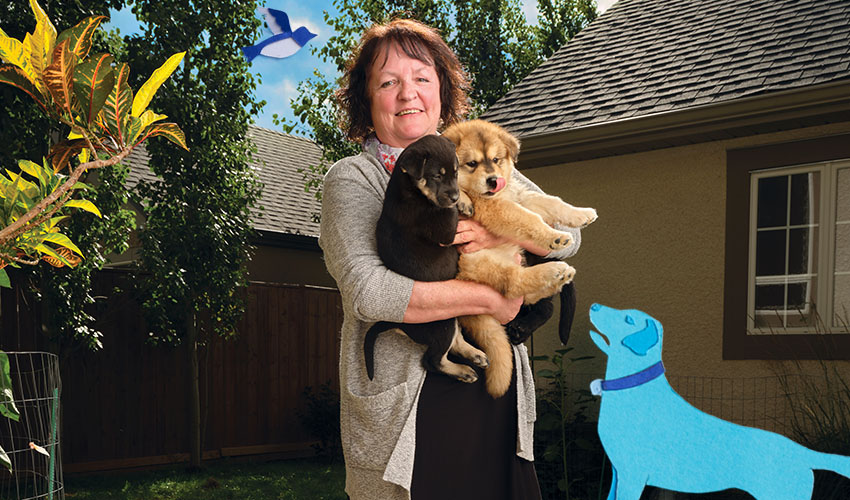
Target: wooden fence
126, 405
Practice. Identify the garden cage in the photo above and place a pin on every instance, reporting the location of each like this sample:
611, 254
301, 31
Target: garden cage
32, 442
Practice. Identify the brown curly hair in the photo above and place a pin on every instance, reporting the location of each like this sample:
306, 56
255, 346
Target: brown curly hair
418, 41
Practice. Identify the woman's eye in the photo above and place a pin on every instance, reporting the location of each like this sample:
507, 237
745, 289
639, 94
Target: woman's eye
387, 83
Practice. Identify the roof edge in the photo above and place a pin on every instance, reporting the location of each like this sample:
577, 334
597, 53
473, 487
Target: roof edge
286, 240
732, 118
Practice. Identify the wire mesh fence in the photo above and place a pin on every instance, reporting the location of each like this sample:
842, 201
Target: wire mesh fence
580, 465
32, 442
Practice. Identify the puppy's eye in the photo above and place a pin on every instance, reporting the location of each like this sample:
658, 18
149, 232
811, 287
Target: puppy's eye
472, 163
630, 320
495, 160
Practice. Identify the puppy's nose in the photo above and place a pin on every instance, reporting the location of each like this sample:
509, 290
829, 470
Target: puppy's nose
595, 307
454, 196
492, 182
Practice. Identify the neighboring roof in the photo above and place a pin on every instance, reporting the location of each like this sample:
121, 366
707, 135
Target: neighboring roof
645, 57
286, 207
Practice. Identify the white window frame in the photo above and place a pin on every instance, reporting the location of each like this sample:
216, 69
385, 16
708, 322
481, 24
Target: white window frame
825, 289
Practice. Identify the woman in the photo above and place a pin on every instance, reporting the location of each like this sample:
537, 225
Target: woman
404, 433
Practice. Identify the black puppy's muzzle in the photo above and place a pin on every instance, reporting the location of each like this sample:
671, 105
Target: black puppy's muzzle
448, 198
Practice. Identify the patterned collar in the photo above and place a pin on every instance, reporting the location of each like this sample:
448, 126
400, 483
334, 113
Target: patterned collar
385, 154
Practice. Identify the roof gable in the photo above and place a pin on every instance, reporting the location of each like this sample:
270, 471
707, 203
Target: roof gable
644, 57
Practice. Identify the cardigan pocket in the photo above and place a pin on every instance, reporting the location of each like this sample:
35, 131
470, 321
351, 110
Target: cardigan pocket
375, 423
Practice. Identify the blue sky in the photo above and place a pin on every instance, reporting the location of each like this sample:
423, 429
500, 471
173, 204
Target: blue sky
280, 77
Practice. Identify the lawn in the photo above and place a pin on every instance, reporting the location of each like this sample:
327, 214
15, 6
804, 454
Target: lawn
222, 480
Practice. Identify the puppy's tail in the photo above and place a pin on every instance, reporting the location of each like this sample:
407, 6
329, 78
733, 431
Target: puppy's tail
568, 311
369, 344
490, 337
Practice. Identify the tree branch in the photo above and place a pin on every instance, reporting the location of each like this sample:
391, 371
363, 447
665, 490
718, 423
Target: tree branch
7, 233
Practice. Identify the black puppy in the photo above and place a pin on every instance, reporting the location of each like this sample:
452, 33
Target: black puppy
414, 235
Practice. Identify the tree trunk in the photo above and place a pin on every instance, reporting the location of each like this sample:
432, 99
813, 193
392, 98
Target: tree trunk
194, 392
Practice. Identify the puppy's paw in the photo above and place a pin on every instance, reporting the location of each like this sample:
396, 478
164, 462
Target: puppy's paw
480, 360
562, 240
580, 217
466, 374
464, 205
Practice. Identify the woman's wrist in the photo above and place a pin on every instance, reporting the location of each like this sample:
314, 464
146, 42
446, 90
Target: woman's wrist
437, 300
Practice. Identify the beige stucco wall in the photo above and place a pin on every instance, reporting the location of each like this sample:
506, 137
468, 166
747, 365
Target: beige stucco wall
658, 246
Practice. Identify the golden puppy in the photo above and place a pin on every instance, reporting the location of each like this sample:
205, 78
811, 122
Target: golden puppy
486, 154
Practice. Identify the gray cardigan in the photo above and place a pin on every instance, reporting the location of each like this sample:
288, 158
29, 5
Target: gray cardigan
378, 417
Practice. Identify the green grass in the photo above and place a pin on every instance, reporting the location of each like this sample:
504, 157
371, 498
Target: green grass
223, 480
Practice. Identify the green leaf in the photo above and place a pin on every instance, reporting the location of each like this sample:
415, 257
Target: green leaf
5, 282
93, 82
79, 37
7, 398
14, 76
46, 250
62, 241
546, 373
168, 130
114, 112
59, 77
84, 205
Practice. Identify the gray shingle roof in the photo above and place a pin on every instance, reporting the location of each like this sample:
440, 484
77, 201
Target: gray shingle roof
287, 207
643, 57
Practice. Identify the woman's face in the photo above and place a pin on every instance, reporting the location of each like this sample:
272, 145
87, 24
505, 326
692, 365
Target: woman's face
405, 97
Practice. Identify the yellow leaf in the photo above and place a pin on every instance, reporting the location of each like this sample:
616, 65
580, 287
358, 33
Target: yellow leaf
149, 117
64, 241
84, 205
44, 29
16, 53
145, 94
84, 153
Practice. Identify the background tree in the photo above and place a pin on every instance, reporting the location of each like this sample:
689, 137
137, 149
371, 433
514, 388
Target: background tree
26, 132
492, 39
195, 238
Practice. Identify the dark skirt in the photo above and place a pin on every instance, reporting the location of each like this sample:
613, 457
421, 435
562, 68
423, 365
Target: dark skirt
466, 444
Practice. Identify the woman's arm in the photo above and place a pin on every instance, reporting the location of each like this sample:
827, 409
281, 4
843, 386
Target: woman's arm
436, 300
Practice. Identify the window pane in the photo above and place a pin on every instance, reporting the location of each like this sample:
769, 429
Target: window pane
797, 296
842, 209
842, 248
770, 297
801, 248
772, 201
841, 302
803, 198
770, 253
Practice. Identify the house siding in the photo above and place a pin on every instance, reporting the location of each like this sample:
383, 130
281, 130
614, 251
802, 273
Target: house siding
659, 246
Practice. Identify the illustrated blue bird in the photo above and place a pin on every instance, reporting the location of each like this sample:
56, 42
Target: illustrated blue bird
284, 42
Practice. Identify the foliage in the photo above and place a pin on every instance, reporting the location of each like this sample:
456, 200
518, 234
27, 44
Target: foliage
321, 419
90, 97
566, 443
7, 402
820, 418
198, 221
491, 38
26, 132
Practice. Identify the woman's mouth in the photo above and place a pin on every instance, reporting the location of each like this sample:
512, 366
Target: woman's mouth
407, 112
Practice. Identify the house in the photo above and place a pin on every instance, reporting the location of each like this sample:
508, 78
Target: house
713, 138
286, 249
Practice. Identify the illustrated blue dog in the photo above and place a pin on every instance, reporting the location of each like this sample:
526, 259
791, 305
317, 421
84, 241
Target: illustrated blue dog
654, 437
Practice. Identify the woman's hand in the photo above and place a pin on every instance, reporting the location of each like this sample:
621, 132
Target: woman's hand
472, 236
506, 309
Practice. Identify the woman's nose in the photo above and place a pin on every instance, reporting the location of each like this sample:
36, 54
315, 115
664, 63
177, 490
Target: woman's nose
406, 91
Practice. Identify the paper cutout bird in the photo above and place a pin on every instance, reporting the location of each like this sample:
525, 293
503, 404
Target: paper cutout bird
284, 42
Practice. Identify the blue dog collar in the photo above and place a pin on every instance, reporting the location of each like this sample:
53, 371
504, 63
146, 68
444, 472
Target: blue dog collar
627, 382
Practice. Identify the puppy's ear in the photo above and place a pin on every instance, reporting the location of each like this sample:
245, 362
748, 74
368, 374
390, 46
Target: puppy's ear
510, 142
641, 342
453, 134
414, 163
